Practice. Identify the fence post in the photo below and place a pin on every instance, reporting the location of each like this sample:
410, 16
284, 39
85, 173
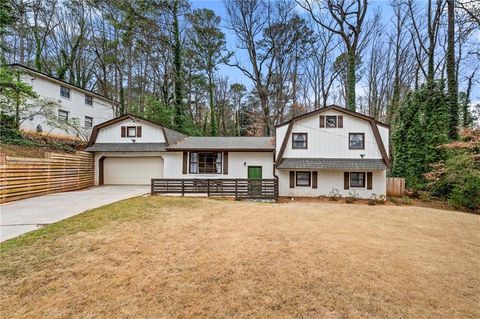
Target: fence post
208, 187
183, 187
236, 188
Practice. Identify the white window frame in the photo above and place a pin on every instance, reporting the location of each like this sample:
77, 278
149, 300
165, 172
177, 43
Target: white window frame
364, 179
66, 116
67, 90
88, 97
91, 122
309, 178
134, 128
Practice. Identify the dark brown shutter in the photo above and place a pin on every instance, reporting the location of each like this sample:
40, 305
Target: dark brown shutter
340, 121
139, 131
292, 179
124, 131
346, 180
314, 179
369, 180
322, 120
185, 163
225, 163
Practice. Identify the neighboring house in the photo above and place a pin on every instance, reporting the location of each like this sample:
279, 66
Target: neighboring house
332, 148
313, 154
131, 150
78, 109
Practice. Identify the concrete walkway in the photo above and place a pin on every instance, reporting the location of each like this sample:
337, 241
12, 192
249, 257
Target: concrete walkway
25, 215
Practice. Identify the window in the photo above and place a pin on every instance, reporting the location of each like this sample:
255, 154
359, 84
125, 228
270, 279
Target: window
357, 179
303, 179
356, 141
64, 92
88, 122
88, 100
62, 116
299, 140
331, 121
206, 163
131, 131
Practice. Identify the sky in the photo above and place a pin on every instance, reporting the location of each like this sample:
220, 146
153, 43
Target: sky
235, 75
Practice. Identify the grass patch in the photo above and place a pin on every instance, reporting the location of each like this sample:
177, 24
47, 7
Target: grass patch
171, 257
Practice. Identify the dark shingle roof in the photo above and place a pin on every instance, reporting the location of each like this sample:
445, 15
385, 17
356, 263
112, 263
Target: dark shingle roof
126, 147
174, 136
331, 163
250, 143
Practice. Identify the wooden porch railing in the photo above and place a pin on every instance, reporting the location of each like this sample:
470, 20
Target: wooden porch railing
239, 188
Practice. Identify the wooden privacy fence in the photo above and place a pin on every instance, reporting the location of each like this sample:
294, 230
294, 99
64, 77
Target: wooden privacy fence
239, 188
395, 186
29, 177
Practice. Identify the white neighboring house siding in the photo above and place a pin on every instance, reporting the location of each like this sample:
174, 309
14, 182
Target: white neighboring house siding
331, 143
102, 109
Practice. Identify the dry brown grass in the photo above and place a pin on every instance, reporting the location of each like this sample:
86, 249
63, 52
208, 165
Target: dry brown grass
180, 258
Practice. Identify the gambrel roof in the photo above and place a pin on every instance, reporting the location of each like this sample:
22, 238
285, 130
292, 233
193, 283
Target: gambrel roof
373, 123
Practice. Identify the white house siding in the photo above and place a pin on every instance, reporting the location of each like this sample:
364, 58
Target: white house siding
238, 163
112, 133
102, 109
327, 180
330, 142
279, 136
385, 135
132, 155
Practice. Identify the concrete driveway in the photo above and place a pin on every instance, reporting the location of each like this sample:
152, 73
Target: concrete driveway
25, 215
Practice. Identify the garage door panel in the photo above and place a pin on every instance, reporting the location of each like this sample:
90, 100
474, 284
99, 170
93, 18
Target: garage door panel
132, 170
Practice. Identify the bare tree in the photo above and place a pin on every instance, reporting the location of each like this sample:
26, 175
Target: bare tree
349, 17
248, 19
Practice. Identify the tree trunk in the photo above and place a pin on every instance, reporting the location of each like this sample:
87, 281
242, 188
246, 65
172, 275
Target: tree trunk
351, 80
177, 61
213, 115
451, 72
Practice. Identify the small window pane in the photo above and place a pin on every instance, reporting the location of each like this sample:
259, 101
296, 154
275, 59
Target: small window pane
62, 116
303, 178
357, 179
194, 163
357, 141
65, 92
88, 122
331, 121
88, 100
131, 131
299, 140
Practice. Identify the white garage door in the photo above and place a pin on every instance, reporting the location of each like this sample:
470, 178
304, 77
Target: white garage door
132, 170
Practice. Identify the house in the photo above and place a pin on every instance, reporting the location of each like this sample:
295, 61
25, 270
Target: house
312, 154
80, 108
132, 150
332, 149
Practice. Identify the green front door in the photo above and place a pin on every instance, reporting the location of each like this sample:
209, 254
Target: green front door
255, 181
254, 172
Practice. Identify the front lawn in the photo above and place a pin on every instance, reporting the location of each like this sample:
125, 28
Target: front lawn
157, 257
